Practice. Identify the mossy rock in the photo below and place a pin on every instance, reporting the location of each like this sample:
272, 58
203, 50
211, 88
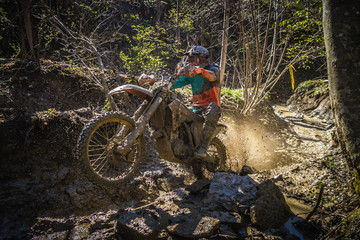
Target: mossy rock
312, 87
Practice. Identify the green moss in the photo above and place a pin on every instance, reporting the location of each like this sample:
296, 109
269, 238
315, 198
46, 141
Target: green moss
312, 87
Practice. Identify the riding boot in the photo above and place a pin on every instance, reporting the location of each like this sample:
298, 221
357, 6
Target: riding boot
207, 135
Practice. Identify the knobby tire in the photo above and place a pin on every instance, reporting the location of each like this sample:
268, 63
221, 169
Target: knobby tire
103, 167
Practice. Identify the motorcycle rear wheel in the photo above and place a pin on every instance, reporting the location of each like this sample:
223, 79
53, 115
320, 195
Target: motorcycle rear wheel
217, 151
96, 150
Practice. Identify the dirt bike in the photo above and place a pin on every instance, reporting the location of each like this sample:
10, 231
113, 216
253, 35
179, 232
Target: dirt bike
111, 146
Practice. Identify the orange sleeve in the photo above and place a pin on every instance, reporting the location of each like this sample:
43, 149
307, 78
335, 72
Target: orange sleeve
192, 71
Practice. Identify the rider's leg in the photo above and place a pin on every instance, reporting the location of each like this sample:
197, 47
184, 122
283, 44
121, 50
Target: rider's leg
211, 115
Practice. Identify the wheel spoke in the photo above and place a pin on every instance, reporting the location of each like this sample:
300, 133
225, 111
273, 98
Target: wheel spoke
101, 156
104, 171
97, 154
116, 129
102, 164
101, 134
97, 145
95, 140
99, 148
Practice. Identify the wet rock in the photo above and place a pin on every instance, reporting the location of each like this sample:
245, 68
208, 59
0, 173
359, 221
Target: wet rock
227, 232
245, 170
58, 235
198, 186
270, 209
49, 225
231, 218
134, 225
195, 227
238, 189
81, 231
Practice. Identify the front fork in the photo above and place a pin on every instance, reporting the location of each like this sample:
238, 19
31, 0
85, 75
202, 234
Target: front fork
141, 123
140, 127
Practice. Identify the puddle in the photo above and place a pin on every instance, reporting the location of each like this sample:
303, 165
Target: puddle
299, 209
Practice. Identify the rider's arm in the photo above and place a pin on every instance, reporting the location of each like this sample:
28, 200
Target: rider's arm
182, 81
192, 71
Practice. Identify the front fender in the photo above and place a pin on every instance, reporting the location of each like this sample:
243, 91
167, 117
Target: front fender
134, 90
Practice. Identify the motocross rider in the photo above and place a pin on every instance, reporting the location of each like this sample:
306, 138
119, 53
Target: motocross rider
205, 84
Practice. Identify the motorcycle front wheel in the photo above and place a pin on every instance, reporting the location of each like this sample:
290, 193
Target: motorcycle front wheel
96, 148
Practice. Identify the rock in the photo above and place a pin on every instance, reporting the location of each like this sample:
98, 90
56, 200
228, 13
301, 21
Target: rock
81, 231
231, 218
51, 225
237, 189
58, 235
198, 185
227, 232
134, 225
195, 227
245, 170
270, 209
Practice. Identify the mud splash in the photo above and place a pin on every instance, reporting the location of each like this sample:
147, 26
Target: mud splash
253, 144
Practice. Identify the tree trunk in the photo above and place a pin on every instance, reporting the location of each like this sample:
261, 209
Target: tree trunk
26, 17
178, 2
342, 40
158, 11
224, 40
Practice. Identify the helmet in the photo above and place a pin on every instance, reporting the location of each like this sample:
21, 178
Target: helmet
198, 51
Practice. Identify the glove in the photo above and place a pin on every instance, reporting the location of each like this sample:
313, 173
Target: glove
147, 79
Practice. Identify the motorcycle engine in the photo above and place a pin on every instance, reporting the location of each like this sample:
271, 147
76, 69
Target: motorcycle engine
182, 150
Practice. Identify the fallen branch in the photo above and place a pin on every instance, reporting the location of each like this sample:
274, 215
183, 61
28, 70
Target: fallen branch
316, 206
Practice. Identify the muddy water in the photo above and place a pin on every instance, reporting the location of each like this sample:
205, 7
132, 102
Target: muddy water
264, 148
309, 137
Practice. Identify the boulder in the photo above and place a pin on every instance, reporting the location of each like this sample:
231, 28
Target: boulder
198, 186
270, 209
137, 226
195, 227
231, 187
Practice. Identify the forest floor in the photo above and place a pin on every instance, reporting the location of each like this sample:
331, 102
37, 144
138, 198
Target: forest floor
45, 195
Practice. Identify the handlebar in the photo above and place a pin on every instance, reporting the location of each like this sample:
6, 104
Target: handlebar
171, 82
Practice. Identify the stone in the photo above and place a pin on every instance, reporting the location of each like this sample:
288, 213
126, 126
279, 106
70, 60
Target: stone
270, 209
198, 185
81, 231
136, 226
231, 187
245, 170
232, 218
192, 226
54, 225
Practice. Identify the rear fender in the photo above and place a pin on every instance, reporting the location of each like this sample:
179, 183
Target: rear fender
140, 92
